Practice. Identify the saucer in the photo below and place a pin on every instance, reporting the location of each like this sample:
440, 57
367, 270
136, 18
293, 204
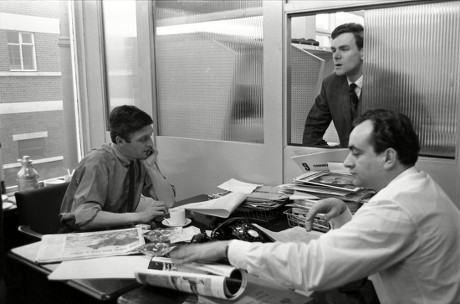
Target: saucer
166, 223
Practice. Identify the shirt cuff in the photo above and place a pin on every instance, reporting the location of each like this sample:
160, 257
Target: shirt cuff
237, 253
342, 219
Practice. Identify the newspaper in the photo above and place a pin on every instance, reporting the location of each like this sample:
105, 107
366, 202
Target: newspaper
214, 280
72, 246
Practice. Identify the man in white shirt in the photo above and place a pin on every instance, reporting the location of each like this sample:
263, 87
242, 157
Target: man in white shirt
406, 239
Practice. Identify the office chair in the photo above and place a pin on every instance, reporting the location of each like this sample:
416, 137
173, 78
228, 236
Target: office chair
2, 260
38, 210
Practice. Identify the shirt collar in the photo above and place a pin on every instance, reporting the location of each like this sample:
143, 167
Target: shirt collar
126, 162
358, 82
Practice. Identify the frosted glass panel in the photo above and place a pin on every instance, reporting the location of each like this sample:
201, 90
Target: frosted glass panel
411, 66
209, 69
121, 53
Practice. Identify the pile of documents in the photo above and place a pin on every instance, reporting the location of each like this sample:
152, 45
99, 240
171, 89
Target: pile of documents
314, 185
265, 198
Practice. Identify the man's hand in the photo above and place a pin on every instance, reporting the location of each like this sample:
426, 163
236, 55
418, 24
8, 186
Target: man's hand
331, 207
207, 252
151, 160
151, 210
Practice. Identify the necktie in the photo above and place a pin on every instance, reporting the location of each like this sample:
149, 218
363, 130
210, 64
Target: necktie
353, 99
130, 202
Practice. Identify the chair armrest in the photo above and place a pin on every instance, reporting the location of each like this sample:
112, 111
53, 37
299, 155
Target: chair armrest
29, 232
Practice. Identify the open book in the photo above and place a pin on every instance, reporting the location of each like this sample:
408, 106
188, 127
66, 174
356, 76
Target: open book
214, 280
72, 246
221, 207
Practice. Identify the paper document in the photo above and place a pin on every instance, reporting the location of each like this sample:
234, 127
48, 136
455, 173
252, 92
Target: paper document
115, 267
221, 207
291, 235
234, 185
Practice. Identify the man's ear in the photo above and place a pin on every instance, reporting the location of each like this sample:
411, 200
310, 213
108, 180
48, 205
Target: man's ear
119, 140
391, 157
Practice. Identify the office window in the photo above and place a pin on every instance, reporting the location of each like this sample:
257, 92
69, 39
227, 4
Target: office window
121, 59
38, 114
21, 50
209, 69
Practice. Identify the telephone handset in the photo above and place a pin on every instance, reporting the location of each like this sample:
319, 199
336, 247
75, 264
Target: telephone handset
239, 228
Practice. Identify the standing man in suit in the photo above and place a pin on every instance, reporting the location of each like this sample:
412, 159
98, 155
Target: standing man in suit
339, 99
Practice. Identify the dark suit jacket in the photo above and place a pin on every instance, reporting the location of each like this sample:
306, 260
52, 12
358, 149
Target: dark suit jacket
332, 104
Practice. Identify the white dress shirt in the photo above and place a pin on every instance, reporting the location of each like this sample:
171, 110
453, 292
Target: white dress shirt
406, 239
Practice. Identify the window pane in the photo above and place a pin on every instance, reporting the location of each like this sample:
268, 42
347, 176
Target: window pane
12, 37
121, 52
37, 115
15, 57
26, 38
209, 69
28, 57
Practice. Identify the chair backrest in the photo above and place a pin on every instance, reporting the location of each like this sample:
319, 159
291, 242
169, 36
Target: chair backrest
39, 208
2, 259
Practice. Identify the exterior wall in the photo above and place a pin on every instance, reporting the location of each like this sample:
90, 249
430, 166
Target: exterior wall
19, 89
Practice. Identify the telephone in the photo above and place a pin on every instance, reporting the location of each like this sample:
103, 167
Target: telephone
239, 228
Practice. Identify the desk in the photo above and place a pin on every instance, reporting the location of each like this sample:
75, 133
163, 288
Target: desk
33, 285
32, 274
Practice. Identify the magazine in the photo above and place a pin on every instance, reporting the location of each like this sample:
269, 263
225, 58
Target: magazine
214, 280
319, 161
338, 181
71, 246
261, 291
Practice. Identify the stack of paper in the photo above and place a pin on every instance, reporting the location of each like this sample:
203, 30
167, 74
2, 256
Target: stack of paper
315, 185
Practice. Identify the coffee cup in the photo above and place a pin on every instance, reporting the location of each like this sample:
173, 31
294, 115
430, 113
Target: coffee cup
177, 216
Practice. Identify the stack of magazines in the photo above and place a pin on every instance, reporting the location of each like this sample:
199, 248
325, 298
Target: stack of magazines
263, 204
315, 185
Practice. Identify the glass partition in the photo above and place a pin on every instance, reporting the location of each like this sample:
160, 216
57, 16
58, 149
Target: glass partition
410, 65
209, 69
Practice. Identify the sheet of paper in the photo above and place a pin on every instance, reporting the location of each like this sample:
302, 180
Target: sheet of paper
338, 167
234, 185
221, 207
295, 234
116, 267
186, 235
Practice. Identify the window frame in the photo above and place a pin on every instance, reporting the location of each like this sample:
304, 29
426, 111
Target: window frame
20, 44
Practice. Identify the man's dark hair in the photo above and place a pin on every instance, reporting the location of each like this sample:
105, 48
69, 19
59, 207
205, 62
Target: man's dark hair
125, 120
392, 130
355, 28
